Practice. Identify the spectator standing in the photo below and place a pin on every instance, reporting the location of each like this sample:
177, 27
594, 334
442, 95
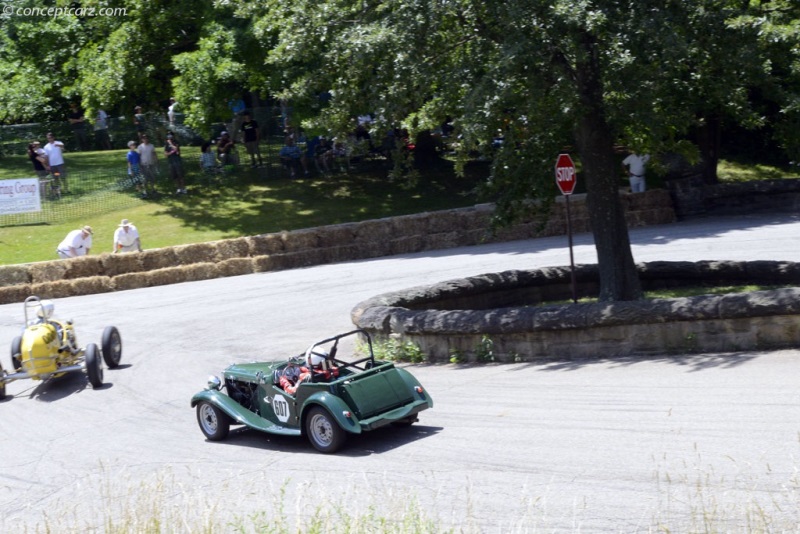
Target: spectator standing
237, 107
55, 158
635, 165
134, 169
139, 121
149, 163
101, 136
78, 123
252, 139
77, 243
173, 152
310, 153
207, 161
290, 155
126, 238
173, 105
39, 159
323, 152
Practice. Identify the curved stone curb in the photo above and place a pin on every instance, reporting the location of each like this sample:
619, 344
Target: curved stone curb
455, 317
288, 250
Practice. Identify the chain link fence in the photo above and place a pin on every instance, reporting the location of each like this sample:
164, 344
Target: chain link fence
14, 139
85, 192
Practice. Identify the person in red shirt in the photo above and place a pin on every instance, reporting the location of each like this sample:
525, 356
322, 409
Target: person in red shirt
292, 377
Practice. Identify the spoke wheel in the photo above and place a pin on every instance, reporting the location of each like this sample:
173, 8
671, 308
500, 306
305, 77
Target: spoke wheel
323, 431
214, 423
94, 366
112, 346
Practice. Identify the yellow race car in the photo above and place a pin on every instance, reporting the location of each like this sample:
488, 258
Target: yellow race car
48, 348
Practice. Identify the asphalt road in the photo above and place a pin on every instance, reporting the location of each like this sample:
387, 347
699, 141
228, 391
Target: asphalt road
600, 445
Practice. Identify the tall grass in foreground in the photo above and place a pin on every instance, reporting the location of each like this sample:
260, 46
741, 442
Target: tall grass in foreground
696, 499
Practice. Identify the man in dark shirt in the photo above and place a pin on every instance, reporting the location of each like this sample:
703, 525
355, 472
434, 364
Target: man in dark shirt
252, 138
78, 124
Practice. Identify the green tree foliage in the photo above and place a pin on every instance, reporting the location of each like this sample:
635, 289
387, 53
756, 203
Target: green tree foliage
113, 62
543, 75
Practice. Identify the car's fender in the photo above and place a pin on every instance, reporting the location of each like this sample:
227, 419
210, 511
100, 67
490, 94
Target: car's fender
337, 408
239, 414
413, 383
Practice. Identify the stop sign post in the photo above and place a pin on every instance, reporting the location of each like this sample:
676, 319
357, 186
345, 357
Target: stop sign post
566, 180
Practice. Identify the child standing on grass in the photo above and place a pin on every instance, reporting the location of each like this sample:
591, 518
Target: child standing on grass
207, 161
134, 171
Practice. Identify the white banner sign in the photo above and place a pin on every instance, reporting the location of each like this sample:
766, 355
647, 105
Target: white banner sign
19, 196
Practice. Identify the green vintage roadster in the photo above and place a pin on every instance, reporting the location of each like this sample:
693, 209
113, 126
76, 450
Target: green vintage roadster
317, 394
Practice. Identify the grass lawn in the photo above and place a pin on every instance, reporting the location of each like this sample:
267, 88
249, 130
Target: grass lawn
252, 202
248, 202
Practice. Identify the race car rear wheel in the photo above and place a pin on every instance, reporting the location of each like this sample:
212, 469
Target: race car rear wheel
323, 431
2, 384
94, 366
214, 423
112, 346
16, 354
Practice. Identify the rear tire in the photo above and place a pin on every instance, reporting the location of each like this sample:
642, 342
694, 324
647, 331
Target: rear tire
214, 423
94, 366
2, 383
16, 354
323, 431
112, 346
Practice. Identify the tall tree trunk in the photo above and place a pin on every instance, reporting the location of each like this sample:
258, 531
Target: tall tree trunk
619, 279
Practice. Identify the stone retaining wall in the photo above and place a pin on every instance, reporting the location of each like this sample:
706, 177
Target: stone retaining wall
455, 318
300, 248
692, 197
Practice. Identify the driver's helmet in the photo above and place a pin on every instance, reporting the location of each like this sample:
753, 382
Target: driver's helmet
317, 357
45, 311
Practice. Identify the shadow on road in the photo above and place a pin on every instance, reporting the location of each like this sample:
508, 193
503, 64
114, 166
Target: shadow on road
374, 442
694, 362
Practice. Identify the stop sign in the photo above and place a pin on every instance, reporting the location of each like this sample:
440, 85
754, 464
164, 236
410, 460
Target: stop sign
565, 174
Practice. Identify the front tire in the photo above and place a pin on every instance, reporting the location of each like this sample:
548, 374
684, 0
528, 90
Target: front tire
112, 346
214, 423
94, 366
16, 354
323, 431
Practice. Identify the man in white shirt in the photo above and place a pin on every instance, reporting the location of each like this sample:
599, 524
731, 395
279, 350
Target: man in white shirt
55, 158
173, 104
634, 165
77, 243
149, 164
101, 130
126, 238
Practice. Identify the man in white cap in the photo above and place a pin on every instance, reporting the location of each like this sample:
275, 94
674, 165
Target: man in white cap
126, 238
77, 243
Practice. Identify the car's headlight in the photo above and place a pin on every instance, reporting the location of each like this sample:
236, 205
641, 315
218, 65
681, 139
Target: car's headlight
214, 383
